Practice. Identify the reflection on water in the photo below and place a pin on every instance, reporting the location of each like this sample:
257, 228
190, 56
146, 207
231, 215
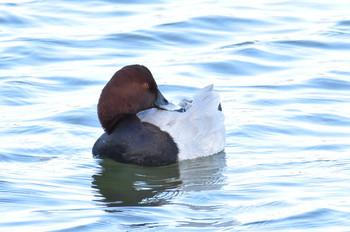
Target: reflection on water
119, 184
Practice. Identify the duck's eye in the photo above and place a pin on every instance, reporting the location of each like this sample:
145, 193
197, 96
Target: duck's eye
146, 85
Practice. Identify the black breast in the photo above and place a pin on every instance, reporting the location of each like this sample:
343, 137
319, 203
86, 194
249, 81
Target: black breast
133, 141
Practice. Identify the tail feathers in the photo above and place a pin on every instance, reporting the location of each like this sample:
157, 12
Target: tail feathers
207, 90
206, 99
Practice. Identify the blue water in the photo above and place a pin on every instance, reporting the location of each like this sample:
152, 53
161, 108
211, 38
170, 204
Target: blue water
282, 69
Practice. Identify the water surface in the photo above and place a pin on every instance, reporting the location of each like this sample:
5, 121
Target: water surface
282, 69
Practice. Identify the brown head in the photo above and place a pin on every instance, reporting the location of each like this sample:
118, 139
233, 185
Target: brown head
130, 90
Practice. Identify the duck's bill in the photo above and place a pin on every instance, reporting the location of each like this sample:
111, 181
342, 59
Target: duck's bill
164, 104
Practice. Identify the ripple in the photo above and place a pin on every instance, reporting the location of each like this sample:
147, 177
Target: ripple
227, 23
330, 83
236, 67
315, 44
265, 55
325, 218
14, 20
16, 157
324, 119
23, 90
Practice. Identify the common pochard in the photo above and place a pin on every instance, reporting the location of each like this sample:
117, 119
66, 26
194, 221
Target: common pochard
142, 127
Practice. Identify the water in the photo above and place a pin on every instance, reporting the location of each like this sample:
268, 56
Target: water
281, 67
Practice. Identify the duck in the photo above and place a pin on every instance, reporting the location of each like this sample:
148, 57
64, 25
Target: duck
142, 127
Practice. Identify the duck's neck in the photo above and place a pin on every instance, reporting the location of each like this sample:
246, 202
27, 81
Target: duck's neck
110, 125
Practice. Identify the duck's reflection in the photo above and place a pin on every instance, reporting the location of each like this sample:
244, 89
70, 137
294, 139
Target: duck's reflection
120, 184
123, 184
